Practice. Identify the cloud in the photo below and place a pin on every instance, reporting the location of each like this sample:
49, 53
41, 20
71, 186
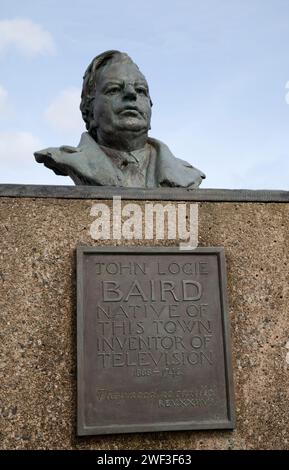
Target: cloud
26, 36
16, 149
17, 162
63, 113
3, 100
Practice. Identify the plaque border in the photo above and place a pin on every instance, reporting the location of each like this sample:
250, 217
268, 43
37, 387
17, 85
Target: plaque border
82, 428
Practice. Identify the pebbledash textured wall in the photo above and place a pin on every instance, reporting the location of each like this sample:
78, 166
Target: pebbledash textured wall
38, 323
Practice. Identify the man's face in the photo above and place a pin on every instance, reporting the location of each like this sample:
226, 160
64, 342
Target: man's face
122, 101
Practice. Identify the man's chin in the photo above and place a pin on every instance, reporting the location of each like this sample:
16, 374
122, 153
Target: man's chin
132, 127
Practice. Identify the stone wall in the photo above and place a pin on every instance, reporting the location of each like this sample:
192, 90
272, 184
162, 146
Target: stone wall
38, 324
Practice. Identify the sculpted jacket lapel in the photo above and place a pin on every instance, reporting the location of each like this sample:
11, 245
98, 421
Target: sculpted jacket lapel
172, 171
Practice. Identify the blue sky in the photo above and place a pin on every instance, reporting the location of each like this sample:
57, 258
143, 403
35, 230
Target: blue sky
218, 72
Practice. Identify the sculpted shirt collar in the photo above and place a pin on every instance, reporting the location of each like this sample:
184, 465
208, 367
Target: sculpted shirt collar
131, 167
89, 164
121, 157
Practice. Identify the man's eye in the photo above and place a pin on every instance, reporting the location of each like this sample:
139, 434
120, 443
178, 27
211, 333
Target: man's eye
112, 90
141, 91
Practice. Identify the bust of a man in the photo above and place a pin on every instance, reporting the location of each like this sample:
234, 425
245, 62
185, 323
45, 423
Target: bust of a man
116, 150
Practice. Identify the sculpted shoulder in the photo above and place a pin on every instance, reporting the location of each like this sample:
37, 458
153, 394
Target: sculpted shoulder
88, 164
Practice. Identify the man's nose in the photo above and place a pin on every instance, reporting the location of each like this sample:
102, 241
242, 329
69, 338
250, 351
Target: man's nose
129, 92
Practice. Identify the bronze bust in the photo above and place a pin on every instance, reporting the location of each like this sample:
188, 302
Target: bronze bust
116, 150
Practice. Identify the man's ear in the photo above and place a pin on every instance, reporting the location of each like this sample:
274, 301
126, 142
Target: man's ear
92, 125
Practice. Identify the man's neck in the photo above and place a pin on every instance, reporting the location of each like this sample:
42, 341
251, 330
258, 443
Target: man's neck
125, 141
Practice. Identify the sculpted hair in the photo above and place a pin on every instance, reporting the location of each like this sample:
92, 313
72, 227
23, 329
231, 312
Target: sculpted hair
90, 82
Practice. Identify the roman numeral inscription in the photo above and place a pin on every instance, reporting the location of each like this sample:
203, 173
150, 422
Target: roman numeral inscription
153, 348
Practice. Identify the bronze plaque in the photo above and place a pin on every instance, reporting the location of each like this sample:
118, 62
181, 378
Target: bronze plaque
153, 340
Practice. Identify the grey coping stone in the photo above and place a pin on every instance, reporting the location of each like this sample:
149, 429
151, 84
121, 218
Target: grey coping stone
165, 194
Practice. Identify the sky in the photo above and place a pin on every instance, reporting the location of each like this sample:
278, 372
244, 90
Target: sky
218, 72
